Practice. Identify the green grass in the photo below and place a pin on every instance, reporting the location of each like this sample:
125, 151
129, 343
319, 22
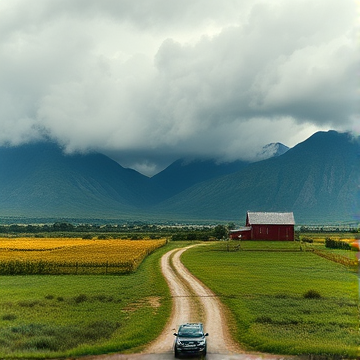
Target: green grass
54, 316
264, 290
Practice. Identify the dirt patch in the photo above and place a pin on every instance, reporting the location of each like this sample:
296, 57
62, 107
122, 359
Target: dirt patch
154, 301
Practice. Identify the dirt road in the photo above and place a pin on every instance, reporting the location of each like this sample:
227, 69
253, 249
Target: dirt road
193, 302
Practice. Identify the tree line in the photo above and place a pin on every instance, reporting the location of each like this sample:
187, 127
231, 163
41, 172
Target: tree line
136, 230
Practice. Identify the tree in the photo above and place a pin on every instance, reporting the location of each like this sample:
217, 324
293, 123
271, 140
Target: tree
231, 226
220, 232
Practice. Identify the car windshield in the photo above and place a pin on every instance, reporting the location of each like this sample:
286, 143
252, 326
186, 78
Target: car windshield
191, 332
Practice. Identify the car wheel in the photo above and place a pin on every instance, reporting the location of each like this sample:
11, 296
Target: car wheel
176, 353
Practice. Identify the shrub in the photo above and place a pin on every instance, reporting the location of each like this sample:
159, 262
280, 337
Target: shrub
42, 343
103, 298
264, 320
312, 294
49, 297
334, 244
87, 237
80, 298
9, 317
28, 303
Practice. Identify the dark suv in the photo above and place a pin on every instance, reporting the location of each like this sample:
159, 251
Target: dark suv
190, 339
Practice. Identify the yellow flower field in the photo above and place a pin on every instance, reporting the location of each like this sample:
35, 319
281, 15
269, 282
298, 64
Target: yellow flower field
73, 256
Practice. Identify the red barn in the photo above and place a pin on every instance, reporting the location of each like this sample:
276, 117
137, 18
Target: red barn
266, 226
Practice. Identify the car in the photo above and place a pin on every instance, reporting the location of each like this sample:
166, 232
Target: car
190, 340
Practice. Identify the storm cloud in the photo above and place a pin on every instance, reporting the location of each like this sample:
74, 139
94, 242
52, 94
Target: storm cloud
148, 82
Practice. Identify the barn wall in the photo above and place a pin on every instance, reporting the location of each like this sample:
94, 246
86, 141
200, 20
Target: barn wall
273, 232
245, 235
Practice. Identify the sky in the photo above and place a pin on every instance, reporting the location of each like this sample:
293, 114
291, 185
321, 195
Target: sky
150, 81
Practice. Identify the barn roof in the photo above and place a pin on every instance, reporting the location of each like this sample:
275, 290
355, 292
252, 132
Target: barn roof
271, 218
244, 228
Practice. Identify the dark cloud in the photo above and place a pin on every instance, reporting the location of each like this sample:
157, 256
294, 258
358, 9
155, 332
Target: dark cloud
149, 82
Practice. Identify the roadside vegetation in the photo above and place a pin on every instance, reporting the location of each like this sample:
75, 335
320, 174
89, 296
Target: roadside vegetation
283, 299
51, 316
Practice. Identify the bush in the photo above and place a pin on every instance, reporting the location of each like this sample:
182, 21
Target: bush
335, 244
28, 303
307, 240
136, 237
80, 298
87, 237
264, 320
312, 294
9, 317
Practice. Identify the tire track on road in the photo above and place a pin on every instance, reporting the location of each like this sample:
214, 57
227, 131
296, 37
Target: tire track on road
186, 289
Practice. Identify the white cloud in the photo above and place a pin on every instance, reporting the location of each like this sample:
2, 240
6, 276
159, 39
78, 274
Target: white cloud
150, 82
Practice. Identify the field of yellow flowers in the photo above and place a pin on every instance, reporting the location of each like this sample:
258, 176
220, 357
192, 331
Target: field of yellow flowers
27, 256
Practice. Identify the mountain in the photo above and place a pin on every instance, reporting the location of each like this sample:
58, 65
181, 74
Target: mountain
39, 180
271, 150
183, 174
318, 179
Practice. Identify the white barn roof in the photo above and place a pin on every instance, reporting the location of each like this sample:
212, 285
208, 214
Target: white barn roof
271, 218
244, 228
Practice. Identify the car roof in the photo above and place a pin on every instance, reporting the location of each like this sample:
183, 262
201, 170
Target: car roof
199, 325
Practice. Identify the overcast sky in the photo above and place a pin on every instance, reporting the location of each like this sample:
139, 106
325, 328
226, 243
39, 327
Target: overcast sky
151, 81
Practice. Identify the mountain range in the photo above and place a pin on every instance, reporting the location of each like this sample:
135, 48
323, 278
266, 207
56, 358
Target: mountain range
317, 179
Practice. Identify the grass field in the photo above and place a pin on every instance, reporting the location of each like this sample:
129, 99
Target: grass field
51, 316
47, 316
264, 285
72, 256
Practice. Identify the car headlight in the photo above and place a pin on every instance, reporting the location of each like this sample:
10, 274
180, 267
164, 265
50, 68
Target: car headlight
202, 342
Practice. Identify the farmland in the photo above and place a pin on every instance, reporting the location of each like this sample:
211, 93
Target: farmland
72, 256
51, 316
264, 285
282, 300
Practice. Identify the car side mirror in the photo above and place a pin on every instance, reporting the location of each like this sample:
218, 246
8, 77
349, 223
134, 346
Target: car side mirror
207, 334
175, 334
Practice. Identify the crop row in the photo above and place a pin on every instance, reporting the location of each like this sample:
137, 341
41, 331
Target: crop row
337, 258
94, 257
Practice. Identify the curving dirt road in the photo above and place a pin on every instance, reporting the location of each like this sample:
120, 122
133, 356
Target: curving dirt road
193, 302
